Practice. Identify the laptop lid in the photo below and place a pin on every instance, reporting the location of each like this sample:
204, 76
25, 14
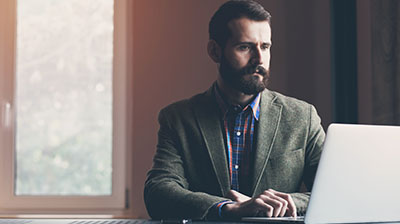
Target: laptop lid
358, 178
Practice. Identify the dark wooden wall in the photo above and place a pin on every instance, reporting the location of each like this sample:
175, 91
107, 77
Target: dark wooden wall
385, 48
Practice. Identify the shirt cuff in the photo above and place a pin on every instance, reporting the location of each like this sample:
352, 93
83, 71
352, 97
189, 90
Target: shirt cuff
221, 204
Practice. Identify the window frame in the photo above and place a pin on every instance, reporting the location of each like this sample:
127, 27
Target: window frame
12, 204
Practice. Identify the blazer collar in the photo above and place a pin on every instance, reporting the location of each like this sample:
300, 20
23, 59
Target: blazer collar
270, 115
209, 120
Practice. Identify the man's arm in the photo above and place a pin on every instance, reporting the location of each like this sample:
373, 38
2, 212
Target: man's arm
166, 192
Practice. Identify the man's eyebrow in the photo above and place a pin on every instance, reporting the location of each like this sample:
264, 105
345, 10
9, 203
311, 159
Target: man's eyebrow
251, 43
244, 42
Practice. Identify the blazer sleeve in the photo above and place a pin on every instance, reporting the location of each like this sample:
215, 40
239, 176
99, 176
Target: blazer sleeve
315, 140
166, 192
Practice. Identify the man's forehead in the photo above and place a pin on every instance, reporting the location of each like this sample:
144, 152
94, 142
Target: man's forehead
245, 22
244, 29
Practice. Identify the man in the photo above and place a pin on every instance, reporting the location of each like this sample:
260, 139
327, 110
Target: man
238, 149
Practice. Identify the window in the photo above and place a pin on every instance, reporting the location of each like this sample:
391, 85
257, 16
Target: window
62, 104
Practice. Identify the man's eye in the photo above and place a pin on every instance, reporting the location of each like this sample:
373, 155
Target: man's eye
265, 47
244, 48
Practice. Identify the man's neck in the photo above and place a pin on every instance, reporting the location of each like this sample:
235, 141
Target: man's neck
233, 96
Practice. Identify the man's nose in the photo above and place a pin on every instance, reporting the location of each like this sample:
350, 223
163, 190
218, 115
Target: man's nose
257, 57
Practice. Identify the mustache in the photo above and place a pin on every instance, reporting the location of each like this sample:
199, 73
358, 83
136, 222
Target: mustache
256, 69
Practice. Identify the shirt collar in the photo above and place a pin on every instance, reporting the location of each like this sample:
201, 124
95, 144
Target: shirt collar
225, 106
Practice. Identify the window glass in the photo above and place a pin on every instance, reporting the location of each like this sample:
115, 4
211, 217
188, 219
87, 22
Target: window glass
64, 97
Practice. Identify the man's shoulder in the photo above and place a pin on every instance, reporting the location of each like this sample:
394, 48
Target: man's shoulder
187, 105
287, 102
294, 113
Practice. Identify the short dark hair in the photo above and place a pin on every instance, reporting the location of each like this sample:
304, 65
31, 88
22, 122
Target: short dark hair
234, 9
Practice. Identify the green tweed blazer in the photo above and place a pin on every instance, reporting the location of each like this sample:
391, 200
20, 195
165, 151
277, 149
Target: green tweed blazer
190, 169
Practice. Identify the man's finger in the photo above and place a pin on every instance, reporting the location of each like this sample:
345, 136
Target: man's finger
292, 210
276, 204
262, 206
284, 204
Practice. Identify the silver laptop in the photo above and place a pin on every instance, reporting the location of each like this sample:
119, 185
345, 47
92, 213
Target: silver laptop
358, 178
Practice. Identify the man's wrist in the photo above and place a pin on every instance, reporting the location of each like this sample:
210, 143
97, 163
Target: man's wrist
217, 209
227, 210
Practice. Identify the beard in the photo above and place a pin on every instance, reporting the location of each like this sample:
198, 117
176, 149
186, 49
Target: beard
236, 78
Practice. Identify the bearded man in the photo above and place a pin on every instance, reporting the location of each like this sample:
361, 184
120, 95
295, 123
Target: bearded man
237, 149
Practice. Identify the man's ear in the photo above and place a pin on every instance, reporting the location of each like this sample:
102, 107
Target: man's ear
214, 51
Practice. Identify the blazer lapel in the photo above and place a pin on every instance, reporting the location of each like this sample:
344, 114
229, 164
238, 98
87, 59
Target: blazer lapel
270, 114
208, 117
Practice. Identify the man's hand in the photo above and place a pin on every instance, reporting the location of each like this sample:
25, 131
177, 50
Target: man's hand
270, 203
236, 196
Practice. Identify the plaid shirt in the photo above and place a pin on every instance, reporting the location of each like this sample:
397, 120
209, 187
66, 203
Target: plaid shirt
239, 130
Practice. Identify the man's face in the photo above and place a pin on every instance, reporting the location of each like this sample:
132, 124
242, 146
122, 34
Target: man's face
245, 59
